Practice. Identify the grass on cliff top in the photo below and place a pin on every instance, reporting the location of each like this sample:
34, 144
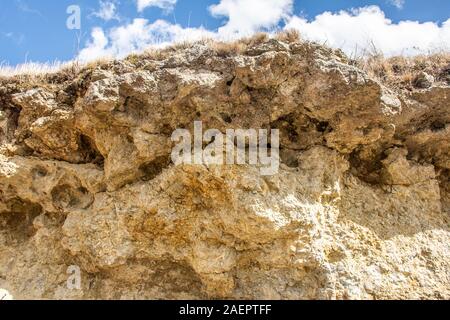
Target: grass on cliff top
396, 72
401, 72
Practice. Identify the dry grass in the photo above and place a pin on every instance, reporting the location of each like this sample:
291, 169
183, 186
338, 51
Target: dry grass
241, 45
401, 72
56, 72
396, 72
288, 36
36, 73
30, 68
225, 49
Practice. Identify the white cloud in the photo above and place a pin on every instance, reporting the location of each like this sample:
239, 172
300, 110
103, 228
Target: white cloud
363, 28
140, 34
354, 32
398, 3
248, 16
107, 11
95, 48
137, 36
167, 5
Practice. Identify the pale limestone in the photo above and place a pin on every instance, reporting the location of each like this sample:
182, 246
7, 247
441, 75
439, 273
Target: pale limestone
358, 210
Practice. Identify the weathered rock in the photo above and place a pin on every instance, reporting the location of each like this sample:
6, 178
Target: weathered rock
423, 80
358, 210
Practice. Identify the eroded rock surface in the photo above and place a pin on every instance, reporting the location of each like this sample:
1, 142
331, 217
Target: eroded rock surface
358, 210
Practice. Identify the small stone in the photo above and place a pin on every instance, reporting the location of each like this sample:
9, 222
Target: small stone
423, 80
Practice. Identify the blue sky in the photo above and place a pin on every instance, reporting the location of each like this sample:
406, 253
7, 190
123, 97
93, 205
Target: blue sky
35, 30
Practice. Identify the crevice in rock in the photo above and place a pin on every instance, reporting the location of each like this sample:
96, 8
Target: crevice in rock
286, 125
17, 222
226, 117
323, 126
444, 186
289, 157
152, 169
66, 197
230, 82
90, 152
438, 125
366, 169
9, 122
134, 108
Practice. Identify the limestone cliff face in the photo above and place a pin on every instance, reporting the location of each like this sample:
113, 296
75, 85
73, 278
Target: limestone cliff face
358, 210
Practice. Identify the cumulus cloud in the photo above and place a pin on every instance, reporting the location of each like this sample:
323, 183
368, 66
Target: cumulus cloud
96, 47
107, 11
167, 5
137, 36
367, 28
356, 31
248, 16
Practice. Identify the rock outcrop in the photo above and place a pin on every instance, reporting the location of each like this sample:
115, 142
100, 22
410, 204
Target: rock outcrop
358, 210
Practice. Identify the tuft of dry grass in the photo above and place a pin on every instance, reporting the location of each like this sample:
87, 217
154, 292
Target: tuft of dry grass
30, 68
400, 72
254, 40
56, 72
35, 73
288, 36
225, 49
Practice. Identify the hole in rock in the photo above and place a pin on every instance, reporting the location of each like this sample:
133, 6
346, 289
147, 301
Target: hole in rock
230, 82
16, 224
438, 125
68, 197
89, 151
322, 126
226, 118
152, 169
39, 172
